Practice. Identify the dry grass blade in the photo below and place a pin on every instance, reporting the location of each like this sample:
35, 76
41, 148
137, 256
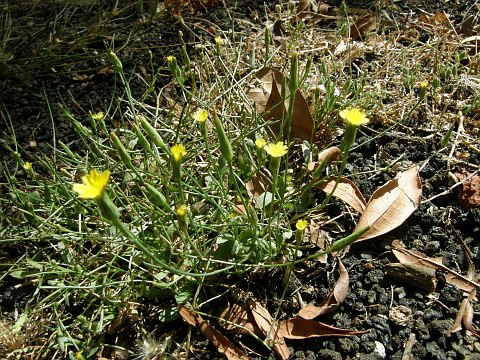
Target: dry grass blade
346, 191
336, 296
223, 345
391, 204
299, 328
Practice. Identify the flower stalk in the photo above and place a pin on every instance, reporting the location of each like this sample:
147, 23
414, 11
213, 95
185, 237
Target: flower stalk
93, 187
353, 117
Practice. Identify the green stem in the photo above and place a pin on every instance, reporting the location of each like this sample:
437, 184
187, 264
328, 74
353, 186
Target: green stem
139, 244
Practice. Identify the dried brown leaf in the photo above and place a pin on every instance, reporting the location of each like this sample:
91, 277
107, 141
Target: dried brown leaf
299, 328
391, 204
362, 25
410, 257
329, 155
336, 296
257, 185
346, 191
264, 322
223, 345
269, 103
239, 209
239, 315
437, 23
469, 191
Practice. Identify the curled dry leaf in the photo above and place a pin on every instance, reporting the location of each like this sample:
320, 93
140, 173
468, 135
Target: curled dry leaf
406, 256
391, 204
269, 103
346, 191
223, 345
336, 296
299, 328
329, 155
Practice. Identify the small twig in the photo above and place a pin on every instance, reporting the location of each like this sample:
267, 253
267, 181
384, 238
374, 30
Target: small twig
407, 353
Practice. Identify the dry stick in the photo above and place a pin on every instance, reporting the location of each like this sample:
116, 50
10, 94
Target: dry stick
407, 353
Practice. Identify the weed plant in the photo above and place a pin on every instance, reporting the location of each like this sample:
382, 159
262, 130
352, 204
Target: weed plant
156, 207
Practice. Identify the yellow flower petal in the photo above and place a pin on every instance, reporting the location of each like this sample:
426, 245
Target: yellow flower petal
97, 116
27, 166
93, 186
178, 152
276, 150
260, 143
200, 115
181, 210
301, 225
354, 116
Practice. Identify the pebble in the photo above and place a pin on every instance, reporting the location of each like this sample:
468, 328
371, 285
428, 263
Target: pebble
379, 352
326, 354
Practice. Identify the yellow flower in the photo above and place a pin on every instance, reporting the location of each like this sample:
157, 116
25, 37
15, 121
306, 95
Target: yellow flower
181, 210
97, 116
200, 115
93, 186
27, 166
178, 152
354, 116
219, 41
301, 225
423, 85
276, 150
260, 143
171, 59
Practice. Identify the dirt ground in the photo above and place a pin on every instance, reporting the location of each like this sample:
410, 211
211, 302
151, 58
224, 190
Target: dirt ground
48, 65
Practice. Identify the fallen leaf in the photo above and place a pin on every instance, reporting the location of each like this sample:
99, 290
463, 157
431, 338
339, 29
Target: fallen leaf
437, 22
362, 25
314, 234
299, 328
223, 345
329, 155
346, 191
269, 103
237, 319
264, 321
469, 191
391, 204
336, 296
415, 275
303, 7
239, 209
257, 185
406, 256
